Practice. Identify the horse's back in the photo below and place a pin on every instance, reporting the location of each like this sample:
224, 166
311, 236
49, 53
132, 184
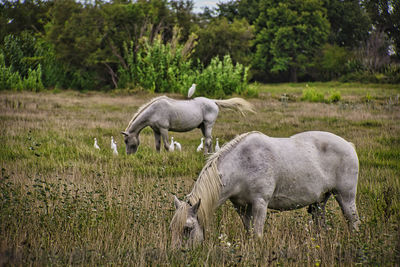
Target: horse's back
294, 171
183, 115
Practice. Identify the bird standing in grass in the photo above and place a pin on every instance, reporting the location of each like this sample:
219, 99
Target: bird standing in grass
191, 90
114, 146
200, 147
217, 146
171, 146
178, 146
95, 144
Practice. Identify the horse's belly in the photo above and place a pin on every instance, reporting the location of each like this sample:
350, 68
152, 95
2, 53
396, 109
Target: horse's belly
288, 203
297, 197
184, 126
184, 122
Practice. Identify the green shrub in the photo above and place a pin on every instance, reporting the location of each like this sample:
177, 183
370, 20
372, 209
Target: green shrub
250, 92
388, 74
54, 74
166, 68
310, 94
334, 96
158, 67
8, 78
222, 78
330, 63
34, 80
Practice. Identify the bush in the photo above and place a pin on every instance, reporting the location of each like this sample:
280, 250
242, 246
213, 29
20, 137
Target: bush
8, 78
330, 63
222, 78
334, 97
310, 94
158, 67
13, 80
34, 80
166, 68
54, 74
389, 74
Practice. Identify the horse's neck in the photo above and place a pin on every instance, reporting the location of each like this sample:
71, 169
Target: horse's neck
138, 124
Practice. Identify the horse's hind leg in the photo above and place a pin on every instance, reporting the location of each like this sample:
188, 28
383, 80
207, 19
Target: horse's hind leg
347, 202
317, 211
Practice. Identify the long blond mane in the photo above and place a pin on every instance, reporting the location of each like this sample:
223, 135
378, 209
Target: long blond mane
142, 108
207, 188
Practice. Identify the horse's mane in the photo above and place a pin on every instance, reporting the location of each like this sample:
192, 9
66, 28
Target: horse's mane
207, 188
143, 107
208, 185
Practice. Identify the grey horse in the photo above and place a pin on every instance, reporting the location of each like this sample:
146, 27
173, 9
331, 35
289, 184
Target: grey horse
164, 114
256, 172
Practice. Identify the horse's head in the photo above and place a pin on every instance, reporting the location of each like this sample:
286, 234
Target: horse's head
185, 227
131, 142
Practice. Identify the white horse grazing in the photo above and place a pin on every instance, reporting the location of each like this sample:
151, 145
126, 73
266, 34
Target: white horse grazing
256, 172
164, 114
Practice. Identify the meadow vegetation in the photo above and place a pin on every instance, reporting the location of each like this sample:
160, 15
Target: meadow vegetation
64, 203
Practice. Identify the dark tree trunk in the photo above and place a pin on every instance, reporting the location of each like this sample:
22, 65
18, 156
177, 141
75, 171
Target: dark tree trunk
293, 74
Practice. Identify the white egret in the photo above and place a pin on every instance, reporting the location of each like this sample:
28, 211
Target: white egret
191, 90
171, 146
95, 144
200, 147
114, 146
217, 146
178, 146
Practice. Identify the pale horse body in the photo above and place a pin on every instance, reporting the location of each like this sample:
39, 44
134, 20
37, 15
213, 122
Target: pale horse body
164, 114
256, 172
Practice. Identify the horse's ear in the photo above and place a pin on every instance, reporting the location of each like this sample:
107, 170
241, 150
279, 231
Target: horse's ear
177, 202
196, 206
124, 133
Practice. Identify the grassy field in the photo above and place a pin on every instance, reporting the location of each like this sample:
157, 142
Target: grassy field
64, 203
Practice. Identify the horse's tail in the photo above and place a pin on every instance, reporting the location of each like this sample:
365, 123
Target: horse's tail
236, 103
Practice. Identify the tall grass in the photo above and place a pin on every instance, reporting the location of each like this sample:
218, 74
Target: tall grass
64, 203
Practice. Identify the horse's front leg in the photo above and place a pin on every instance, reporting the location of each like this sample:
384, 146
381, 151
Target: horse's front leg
259, 211
157, 137
164, 135
207, 130
245, 214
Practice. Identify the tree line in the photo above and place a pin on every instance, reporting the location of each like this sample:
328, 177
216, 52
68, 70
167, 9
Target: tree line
163, 46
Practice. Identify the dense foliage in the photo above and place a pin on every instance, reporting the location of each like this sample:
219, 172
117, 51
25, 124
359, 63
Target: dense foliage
163, 46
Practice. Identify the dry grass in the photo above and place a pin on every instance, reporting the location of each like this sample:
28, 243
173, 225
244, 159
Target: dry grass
62, 202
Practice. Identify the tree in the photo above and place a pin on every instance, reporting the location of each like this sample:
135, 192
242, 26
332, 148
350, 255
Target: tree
89, 38
220, 38
288, 33
350, 24
385, 16
185, 19
238, 9
20, 16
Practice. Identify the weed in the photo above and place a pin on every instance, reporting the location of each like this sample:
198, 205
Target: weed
312, 95
334, 96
